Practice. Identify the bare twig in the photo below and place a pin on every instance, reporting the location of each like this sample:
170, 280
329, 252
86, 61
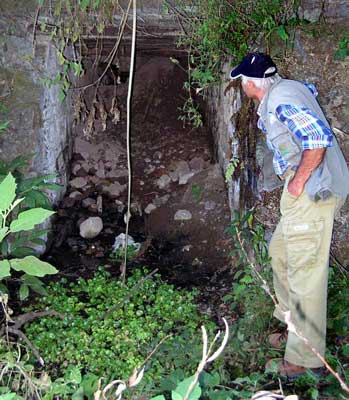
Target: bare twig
265, 285
207, 357
292, 328
112, 53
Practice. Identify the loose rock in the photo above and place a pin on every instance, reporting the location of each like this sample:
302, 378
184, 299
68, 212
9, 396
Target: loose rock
75, 195
210, 205
78, 183
163, 181
183, 180
197, 164
114, 190
88, 202
91, 227
183, 215
149, 208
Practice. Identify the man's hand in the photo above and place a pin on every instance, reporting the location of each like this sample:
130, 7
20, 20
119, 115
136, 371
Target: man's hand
311, 159
295, 188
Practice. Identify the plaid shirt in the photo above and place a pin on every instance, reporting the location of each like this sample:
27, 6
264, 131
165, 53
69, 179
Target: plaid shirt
303, 123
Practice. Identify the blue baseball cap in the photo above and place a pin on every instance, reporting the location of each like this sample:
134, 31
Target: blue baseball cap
255, 65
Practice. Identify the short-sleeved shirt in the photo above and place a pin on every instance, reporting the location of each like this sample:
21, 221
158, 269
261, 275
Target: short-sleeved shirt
303, 123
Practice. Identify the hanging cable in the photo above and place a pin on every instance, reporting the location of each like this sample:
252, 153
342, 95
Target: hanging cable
129, 97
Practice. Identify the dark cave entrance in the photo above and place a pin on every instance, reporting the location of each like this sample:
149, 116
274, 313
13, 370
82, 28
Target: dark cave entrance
179, 203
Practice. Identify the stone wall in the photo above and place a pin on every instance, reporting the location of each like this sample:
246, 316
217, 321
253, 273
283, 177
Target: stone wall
39, 122
311, 59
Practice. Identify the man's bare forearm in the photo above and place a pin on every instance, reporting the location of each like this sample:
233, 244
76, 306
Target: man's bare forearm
311, 159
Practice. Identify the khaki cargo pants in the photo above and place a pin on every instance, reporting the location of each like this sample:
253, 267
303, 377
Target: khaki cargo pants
300, 249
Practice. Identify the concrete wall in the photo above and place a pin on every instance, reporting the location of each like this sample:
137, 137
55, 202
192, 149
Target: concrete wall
39, 122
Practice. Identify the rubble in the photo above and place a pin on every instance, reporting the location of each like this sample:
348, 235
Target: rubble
78, 183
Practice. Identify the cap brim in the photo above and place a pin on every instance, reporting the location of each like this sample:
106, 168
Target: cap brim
236, 72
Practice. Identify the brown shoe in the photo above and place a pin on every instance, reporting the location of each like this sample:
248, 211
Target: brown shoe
277, 340
290, 370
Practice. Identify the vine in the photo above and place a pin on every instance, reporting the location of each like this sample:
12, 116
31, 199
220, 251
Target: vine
216, 30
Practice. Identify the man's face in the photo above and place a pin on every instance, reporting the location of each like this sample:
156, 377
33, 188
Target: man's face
250, 89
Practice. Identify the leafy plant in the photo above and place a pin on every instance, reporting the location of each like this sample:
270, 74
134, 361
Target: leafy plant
119, 254
343, 50
231, 167
109, 332
197, 192
247, 351
215, 30
3, 113
22, 221
190, 113
32, 191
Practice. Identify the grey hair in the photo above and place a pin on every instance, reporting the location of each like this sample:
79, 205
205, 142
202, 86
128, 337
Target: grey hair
262, 83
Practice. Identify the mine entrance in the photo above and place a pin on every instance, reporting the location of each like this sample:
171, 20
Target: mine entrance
179, 203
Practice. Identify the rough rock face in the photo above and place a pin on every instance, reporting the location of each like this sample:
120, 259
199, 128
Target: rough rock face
39, 122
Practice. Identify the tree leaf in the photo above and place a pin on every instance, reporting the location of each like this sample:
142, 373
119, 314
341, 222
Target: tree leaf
50, 186
176, 396
23, 292
8, 192
73, 375
31, 281
3, 232
4, 269
61, 95
33, 266
28, 219
22, 251
160, 397
281, 31
3, 289
61, 57
183, 386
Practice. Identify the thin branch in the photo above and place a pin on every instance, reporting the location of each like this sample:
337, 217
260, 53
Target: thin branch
112, 53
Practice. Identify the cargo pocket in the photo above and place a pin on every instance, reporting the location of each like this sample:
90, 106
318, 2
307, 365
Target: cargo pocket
286, 146
303, 241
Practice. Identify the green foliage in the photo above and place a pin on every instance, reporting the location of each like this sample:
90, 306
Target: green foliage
70, 22
231, 167
112, 345
19, 378
197, 192
342, 50
21, 221
191, 114
338, 303
119, 254
248, 300
3, 115
31, 194
217, 29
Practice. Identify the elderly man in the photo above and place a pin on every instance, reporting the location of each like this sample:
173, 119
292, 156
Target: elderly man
306, 155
